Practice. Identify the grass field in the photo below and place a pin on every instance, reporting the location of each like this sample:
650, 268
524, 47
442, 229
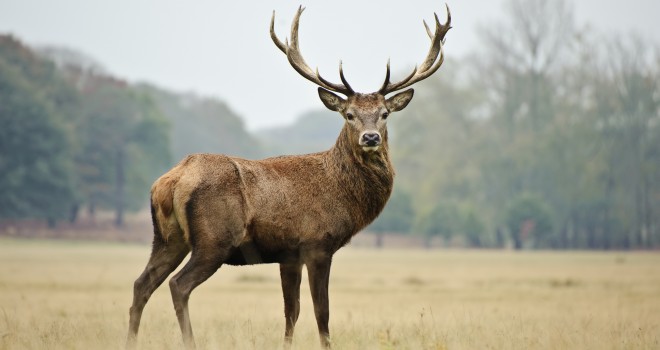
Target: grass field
63, 295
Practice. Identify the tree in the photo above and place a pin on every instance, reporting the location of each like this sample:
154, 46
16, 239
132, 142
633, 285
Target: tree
473, 228
443, 220
35, 143
396, 217
122, 141
627, 114
125, 145
528, 218
529, 146
520, 55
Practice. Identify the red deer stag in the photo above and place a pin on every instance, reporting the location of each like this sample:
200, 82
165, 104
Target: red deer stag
292, 210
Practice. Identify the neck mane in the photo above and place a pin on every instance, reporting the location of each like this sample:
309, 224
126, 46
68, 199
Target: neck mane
365, 177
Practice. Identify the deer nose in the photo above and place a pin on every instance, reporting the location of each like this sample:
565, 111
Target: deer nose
371, 139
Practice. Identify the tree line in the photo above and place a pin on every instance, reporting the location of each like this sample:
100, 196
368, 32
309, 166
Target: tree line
547, 137
74, 137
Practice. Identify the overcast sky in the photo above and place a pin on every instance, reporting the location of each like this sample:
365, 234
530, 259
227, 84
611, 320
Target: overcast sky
223, 49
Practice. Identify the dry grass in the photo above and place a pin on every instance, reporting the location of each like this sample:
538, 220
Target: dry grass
63, 295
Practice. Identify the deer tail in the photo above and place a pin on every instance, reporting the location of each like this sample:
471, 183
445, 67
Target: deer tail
162, 207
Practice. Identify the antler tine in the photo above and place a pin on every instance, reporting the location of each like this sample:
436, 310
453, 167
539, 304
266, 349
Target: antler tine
434, 58
436, 43
428, 30
387, 87
273, 36
343, 79
349, 90
387, 78
292, 51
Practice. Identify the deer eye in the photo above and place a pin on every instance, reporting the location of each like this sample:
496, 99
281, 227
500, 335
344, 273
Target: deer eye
349, 116
385, 115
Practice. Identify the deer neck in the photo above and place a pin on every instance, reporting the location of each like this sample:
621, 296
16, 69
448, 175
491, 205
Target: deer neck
366, 177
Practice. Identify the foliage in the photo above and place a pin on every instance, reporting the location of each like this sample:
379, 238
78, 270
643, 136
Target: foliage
546, 121
528, 217
568, 117
202, 125
35, 141
125, 145
443, 220
397, 215
474, 229
73, 135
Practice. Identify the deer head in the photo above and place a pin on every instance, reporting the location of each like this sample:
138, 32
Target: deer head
365, 113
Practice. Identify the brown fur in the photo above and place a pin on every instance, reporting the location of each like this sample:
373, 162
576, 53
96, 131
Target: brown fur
278, 204
291, 210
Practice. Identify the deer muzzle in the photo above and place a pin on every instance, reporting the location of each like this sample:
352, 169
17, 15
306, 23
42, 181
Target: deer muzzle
370, 140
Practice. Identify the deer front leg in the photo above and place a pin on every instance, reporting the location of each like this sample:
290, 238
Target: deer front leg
291, 275
318, 271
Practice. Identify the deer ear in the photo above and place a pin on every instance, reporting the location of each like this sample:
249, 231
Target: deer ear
330, 100
399, 101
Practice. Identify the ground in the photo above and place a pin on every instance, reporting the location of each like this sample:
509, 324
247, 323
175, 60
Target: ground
76, 295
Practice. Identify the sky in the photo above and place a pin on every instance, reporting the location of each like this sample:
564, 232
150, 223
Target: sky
223, 49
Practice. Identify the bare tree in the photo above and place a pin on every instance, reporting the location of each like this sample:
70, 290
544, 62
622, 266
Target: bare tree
519, 55
536, 35
627, 113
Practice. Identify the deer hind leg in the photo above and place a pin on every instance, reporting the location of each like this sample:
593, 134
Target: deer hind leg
215, 226
291, 275
165, 257
202, 265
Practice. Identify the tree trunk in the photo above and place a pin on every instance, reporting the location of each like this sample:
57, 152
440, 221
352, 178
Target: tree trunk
499, 238
563, 237
379, 240
73, 213
91, 211
517, 240
120, 190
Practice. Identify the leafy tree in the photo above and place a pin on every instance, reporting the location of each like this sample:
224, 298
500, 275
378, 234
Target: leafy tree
528, 217
35, 142
125, 134
396, 217
443, 220
122, 141
473, 228
431, 139
629, 115
125, 145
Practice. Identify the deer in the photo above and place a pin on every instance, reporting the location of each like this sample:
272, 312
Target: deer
291, 210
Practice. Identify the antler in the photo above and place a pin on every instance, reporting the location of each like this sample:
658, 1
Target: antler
292, 52
430, 64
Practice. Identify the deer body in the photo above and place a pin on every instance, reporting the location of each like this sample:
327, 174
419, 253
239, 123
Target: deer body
291, 210
276, 210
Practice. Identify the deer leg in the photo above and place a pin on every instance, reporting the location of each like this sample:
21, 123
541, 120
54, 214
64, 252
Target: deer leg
165, 257
291, 275
202, 264
318, 271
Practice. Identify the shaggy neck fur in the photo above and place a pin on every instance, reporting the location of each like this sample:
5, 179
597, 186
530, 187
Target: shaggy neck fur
370, 174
